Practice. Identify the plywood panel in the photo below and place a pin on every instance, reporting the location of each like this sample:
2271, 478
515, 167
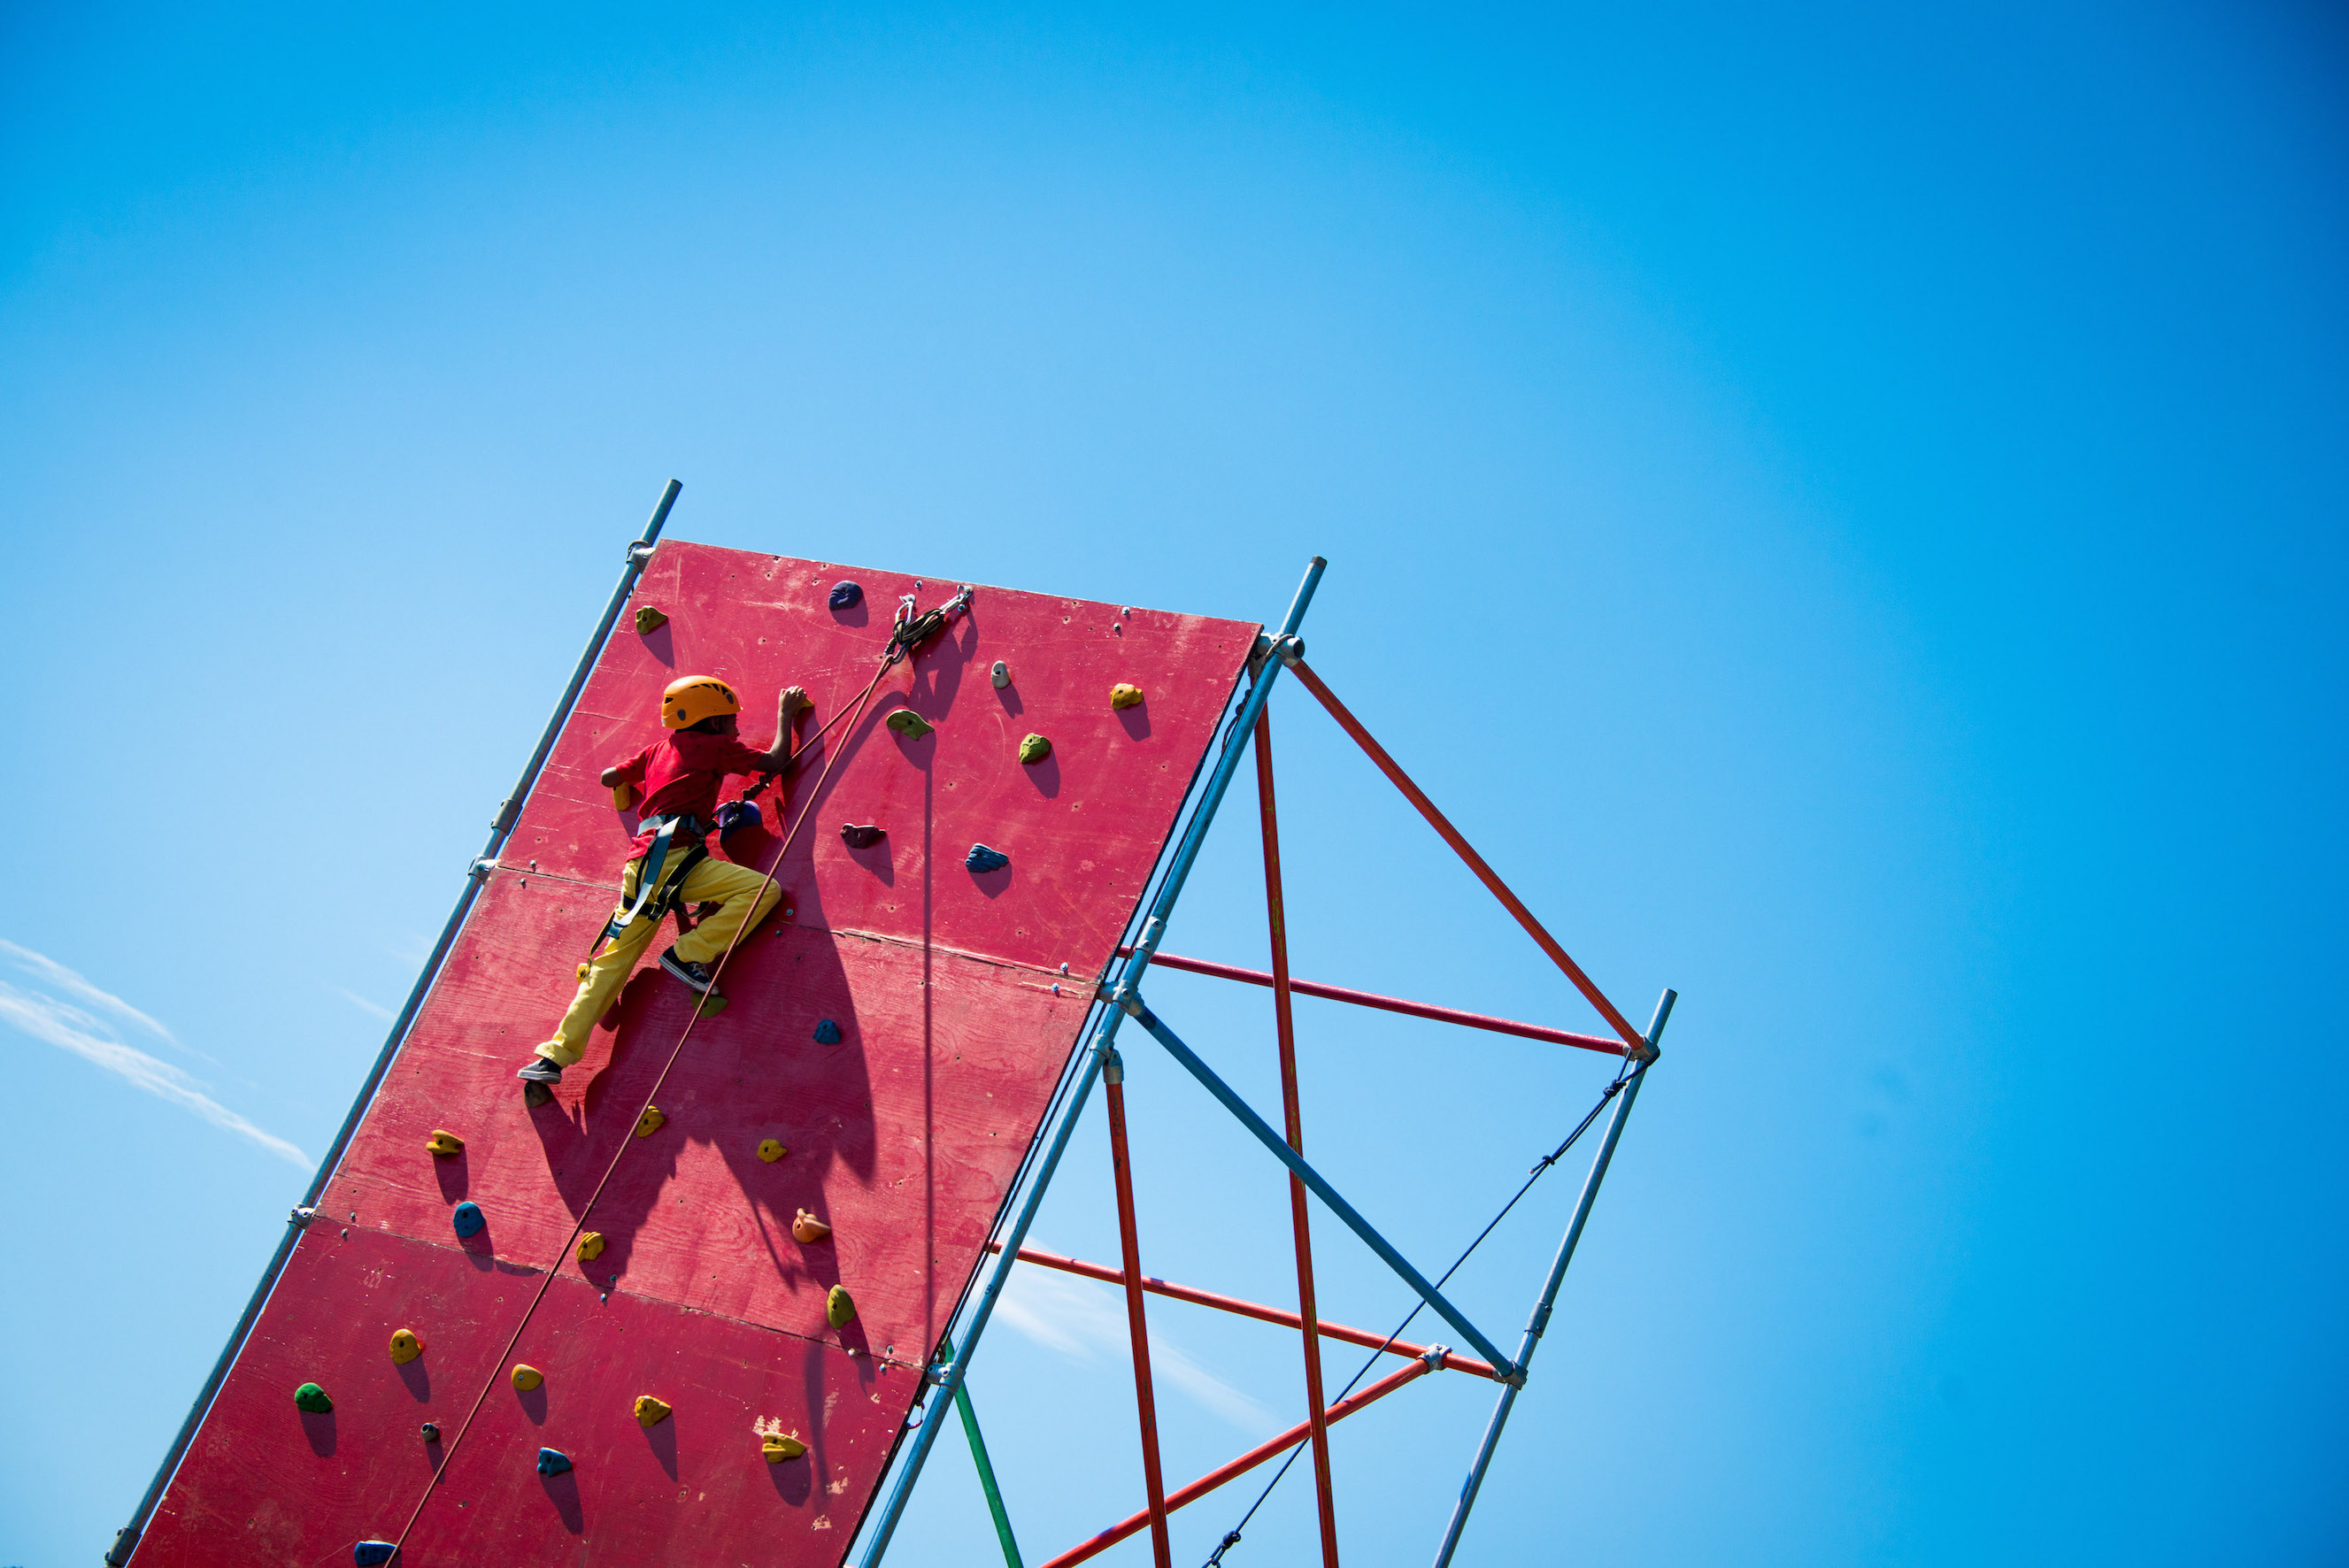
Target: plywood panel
956, 1018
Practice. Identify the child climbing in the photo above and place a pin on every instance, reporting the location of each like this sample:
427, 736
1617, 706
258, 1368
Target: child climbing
669, 863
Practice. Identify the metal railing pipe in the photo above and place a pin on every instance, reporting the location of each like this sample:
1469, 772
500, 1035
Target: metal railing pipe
126, 1540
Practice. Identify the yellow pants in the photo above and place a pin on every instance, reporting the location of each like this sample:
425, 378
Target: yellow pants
733, 888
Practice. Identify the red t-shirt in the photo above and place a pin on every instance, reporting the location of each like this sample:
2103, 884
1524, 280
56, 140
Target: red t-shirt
681, 774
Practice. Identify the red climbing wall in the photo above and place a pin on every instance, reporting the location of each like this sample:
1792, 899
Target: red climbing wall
956, 1018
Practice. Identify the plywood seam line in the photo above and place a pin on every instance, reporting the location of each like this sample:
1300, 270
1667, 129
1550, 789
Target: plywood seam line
896, 650
639, 552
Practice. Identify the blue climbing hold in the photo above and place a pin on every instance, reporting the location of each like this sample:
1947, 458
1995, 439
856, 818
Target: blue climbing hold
827, 1033
552, 1461
846, 595
369, 1553
734, 814
982, 859
468, 1219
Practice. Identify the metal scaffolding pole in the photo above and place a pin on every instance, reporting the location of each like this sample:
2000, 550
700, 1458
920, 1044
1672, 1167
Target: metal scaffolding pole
1540, 1319
126, 1540
950, 1377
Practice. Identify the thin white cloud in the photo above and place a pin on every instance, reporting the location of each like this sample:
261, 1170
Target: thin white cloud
57, 977
1084, 1320
81, 1031
362, 1004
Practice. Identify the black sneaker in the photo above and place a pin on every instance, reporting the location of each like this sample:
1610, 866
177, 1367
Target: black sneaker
538, 1070
696, 976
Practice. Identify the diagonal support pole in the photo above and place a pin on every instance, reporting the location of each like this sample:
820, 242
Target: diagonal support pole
1485, 873
1509, 1371
1540, 1322
995, 1509
1104, 1041
1137, 1325
1293, 1116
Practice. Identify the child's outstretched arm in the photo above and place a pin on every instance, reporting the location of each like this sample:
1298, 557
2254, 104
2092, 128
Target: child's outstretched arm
790, 703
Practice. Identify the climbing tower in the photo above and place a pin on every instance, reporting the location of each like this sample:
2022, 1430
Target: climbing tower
700, 1301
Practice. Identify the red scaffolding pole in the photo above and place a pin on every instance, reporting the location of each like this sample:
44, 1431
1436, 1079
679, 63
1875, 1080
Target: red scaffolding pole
1145, 1402
1452, 1360
1293, 1117
1240, 1465
1485, 1021
1485, 873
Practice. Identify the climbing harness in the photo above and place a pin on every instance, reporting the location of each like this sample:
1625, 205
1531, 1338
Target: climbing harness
839, 1308
1232, 1537
657, 896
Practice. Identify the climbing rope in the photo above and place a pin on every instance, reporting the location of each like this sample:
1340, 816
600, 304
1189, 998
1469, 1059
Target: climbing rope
899, 647
1232, 1538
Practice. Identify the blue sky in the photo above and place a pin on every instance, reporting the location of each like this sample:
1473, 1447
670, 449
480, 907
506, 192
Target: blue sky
1844, 506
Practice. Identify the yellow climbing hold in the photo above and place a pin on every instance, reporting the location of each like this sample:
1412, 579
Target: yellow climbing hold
712, 1003
652, 1121
775, 1448
444, 1141
1035, 749
806, 1227
770, 1150
1123, 696
623, 796
839, 1307
405, 1347
649, 619
591, 1246
527, 1378
650, 1412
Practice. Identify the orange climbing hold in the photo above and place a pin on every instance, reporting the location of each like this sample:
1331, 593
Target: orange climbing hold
806, 1227
407, 1344
650, 1412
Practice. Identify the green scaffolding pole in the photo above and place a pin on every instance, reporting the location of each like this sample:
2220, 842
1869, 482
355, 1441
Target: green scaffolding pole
986, 1470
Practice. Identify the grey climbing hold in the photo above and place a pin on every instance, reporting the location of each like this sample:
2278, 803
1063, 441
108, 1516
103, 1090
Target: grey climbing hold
982, 859
827, 1033
431, 1431
552, 1461
373, 1554
909, 724
1000, 675
468, 1219
845, 595
861, 837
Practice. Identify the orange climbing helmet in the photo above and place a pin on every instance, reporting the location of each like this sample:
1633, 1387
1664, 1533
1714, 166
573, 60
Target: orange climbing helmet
692, 698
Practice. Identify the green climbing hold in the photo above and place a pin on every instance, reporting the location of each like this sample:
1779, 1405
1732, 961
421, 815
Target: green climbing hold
711, 1002
1035, 749
649, 619
311, 1397
839, 1307
909, 724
